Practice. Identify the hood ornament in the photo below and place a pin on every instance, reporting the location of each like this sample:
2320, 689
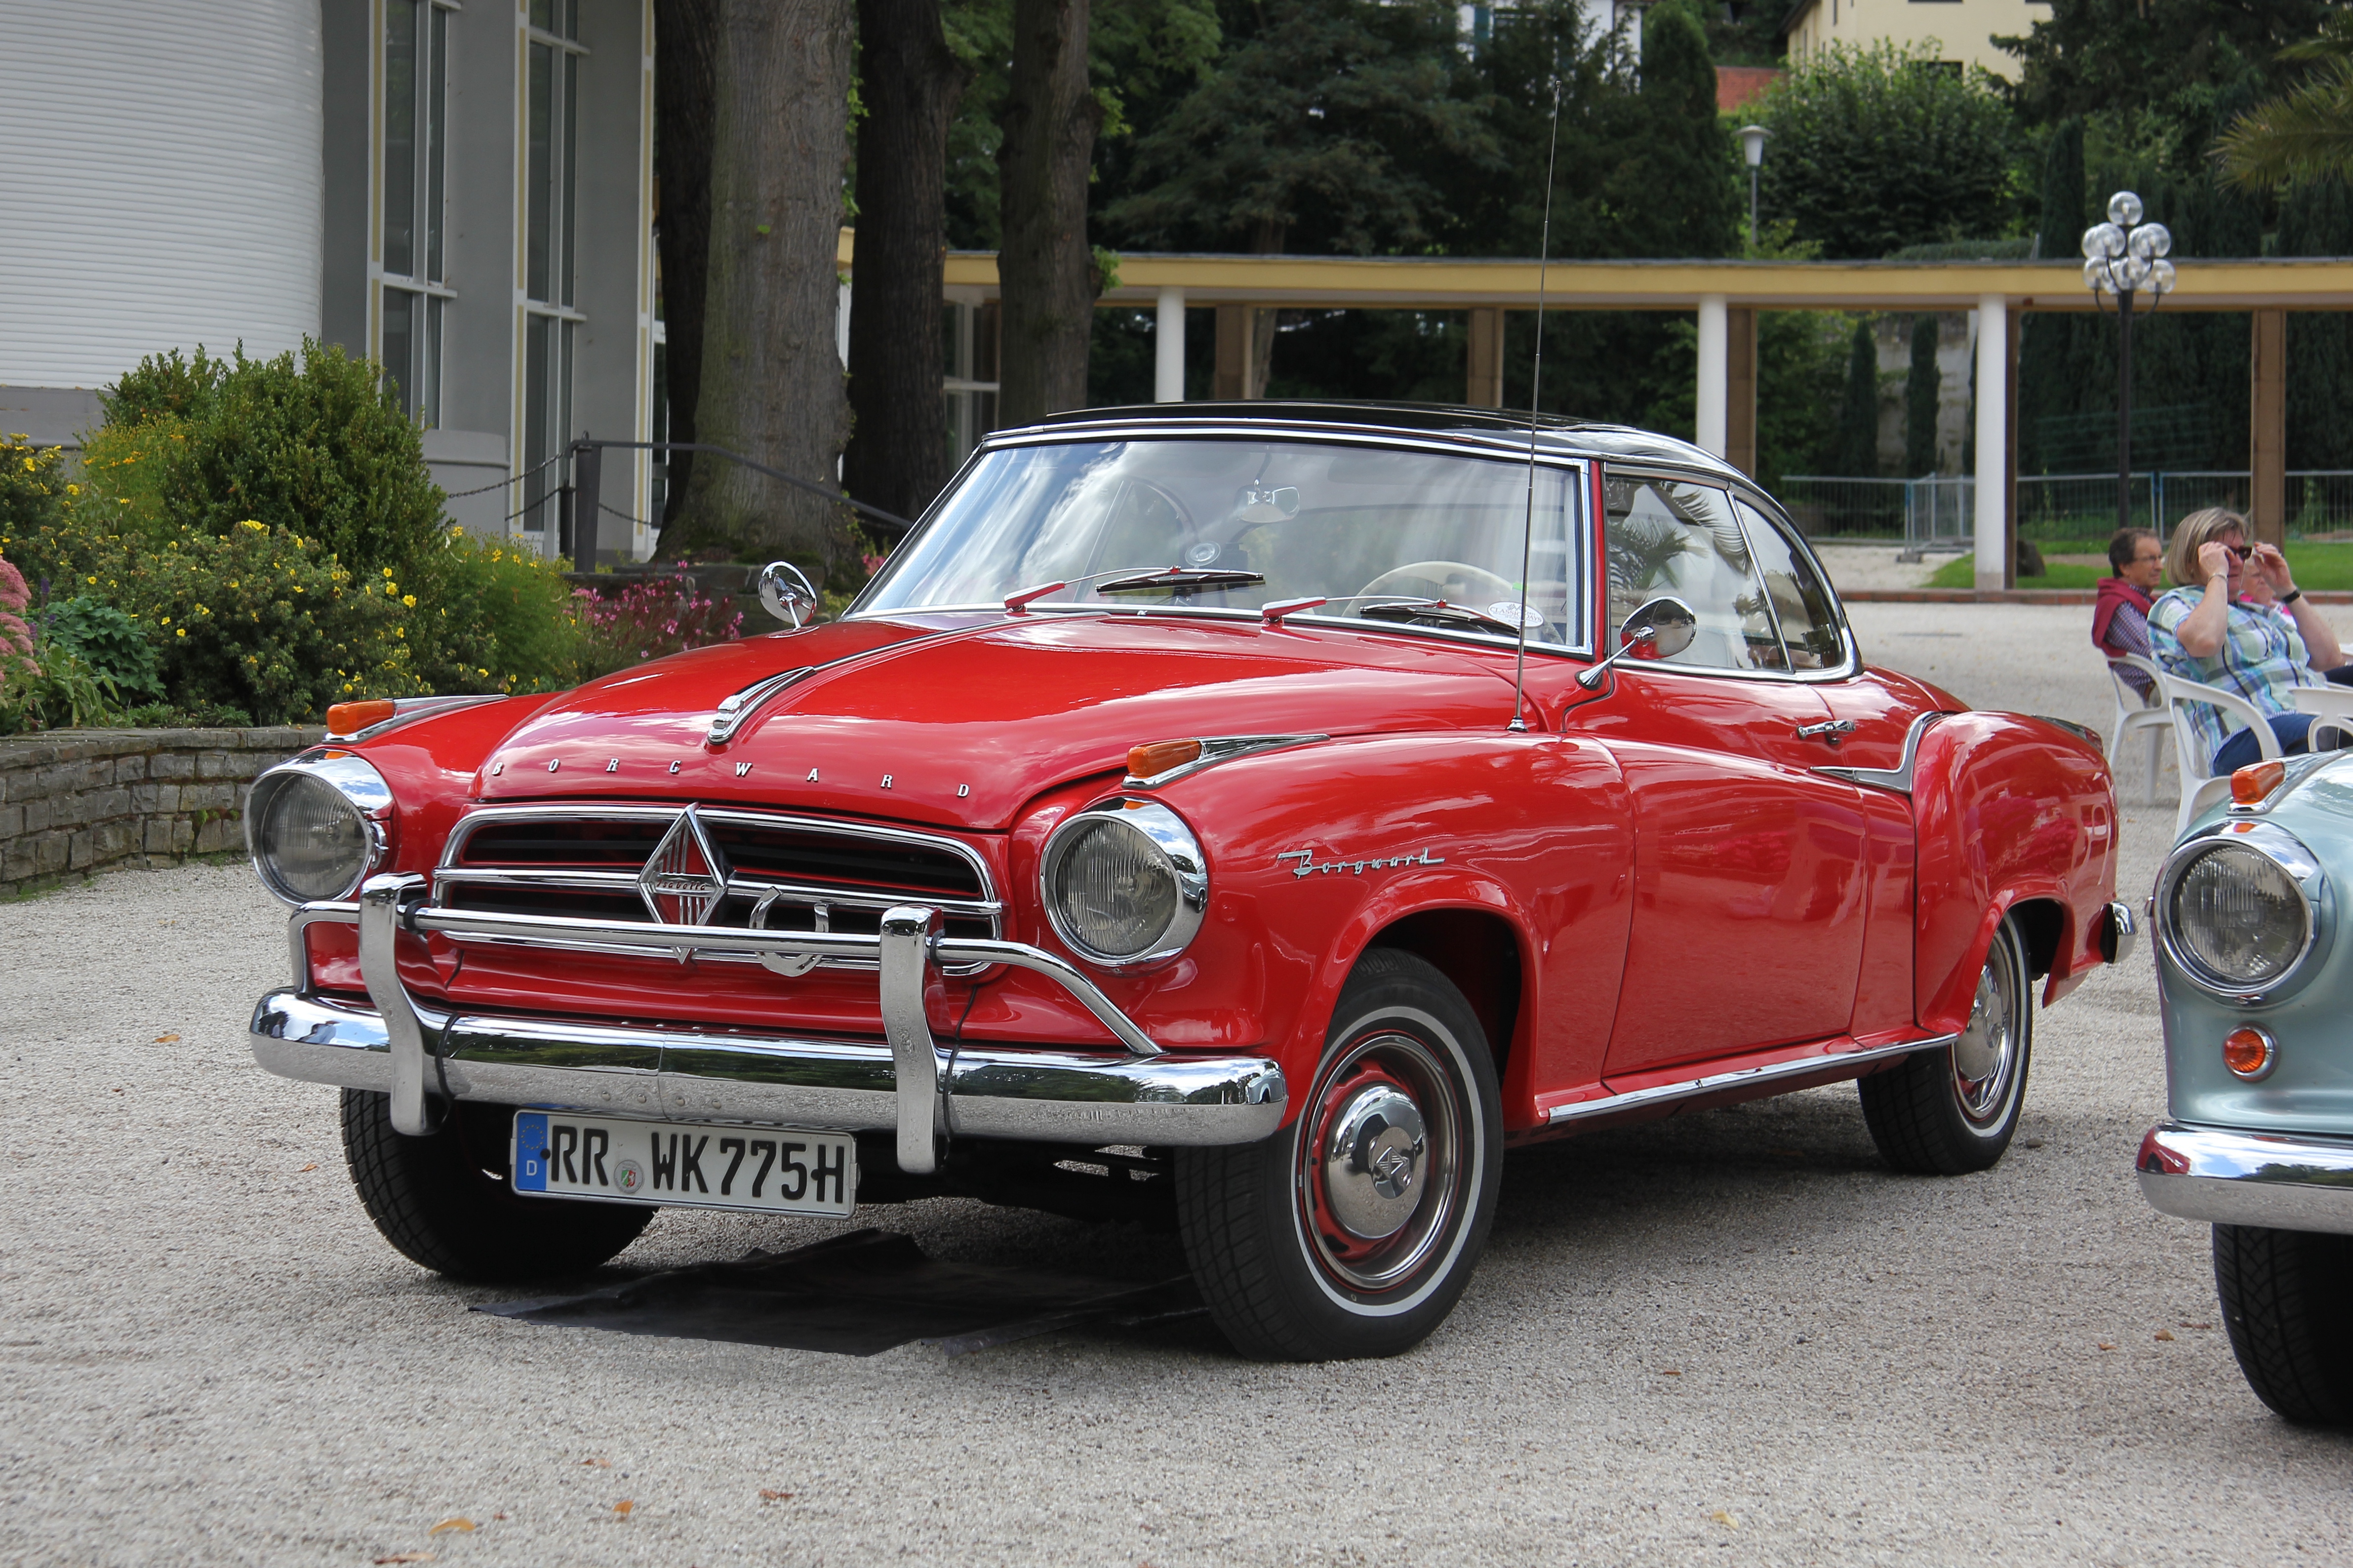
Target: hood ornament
736, 711
685, 877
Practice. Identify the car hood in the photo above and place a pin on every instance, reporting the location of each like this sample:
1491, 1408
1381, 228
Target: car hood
956, 722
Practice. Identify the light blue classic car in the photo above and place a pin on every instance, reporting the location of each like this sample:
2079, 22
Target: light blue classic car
2256, 969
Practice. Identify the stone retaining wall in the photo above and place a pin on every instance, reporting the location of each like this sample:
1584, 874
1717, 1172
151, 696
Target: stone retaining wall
76, 802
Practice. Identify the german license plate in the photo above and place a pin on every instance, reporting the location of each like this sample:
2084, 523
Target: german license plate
773, 1169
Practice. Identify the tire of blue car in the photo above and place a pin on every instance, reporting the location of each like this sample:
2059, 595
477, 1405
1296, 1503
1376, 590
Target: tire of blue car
2284, 1295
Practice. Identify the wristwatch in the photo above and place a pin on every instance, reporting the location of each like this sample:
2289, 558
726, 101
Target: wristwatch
2290, 597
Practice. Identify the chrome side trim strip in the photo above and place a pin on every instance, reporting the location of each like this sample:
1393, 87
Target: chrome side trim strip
2220, 1177
1045, 1093
1688, 1088
1897, 778
1221, 749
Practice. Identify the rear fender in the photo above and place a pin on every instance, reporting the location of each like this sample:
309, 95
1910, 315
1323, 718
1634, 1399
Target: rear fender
2007, 809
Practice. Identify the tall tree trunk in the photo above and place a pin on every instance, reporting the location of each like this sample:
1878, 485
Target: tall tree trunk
910, 83
771, 373
1045, 268
1265, 241
686, 46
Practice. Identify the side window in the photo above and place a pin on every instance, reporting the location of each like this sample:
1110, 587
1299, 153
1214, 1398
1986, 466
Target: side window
1669, 537
1801, 603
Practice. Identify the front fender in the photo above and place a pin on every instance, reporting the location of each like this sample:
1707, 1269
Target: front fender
1315, 852
2007, 809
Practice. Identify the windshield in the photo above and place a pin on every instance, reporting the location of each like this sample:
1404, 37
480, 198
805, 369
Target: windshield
1393, 537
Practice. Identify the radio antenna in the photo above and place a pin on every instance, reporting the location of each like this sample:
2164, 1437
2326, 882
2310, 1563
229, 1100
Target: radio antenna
1535, 403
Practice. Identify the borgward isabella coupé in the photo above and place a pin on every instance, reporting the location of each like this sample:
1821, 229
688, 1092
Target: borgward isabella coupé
1256, 817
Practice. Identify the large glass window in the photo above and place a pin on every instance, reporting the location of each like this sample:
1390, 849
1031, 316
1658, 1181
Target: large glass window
415, 136
1399, 537
1801, 602
551, 132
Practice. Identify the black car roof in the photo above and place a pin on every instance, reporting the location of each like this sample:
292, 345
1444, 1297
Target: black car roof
1488, 427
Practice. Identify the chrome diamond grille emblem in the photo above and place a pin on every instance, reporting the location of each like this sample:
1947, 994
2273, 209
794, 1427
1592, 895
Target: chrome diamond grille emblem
686, 876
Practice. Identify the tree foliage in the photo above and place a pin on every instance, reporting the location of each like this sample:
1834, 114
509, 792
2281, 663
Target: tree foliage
1922, 390
1330, 119
1858, 440
2184, 62
2307, 133
1876, 149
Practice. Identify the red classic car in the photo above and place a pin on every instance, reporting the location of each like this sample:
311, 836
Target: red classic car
1224, 812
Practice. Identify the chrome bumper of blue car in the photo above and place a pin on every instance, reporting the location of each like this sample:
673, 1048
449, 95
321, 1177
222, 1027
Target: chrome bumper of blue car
2280, 1183
907, 1084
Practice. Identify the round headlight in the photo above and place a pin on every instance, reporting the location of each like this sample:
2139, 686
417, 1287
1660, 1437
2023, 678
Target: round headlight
315, 826
1124, 883
2235, 918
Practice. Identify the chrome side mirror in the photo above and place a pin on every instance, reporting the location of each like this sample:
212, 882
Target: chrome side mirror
786, 593
1666, 625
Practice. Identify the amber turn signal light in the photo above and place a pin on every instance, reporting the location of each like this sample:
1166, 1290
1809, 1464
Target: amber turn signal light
2252, 784
351, 718
1146, 761
2249, 1053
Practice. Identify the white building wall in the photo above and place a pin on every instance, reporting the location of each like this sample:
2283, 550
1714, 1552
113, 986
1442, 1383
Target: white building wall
159, 182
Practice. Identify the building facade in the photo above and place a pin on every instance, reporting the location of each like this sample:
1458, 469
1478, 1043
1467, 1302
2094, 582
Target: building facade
1960, 31
461, 190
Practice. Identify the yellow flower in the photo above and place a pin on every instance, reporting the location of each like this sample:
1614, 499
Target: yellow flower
181, 632
94, 580
73, 489
387, 570
408, 599
166, 621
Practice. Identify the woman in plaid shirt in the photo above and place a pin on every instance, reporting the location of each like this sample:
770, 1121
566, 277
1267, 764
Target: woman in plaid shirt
2201, 631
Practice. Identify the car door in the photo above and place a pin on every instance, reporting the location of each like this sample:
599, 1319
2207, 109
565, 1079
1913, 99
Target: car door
1751, 874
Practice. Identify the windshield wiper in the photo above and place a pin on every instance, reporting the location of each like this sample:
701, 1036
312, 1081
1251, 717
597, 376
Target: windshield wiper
1182, 580
1437, 613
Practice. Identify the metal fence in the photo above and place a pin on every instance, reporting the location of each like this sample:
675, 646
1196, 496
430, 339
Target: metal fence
1939, 512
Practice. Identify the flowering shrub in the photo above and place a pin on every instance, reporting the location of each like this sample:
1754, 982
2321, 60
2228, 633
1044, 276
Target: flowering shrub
648, 619
316, 444
110, 642
43, 683
260, 621
489, 616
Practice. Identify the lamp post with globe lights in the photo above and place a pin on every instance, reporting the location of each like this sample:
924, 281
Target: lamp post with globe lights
2126, 258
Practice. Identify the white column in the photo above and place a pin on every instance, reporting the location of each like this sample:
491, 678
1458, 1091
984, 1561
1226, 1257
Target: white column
1993, 429
1713, 422
1168, 347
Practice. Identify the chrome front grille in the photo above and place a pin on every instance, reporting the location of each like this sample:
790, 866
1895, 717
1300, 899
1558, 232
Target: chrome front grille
779, 872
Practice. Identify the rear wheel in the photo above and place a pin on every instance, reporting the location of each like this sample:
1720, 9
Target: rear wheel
1949, 1111
2285, 1295
443, 1200
1353, 1231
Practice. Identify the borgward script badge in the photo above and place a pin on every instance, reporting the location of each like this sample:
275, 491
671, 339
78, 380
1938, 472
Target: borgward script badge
686, 876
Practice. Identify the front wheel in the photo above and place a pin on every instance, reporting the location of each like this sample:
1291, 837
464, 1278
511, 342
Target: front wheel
443, 1200
1946, 1112
2284, 1295
1353, 1231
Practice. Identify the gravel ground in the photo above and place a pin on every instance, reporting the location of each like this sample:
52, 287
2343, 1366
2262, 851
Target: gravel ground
1730, 1338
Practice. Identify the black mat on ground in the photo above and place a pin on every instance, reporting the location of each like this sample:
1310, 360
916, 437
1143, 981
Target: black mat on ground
859, 1294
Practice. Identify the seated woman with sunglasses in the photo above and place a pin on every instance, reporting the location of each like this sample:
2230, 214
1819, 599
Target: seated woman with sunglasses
2201, 631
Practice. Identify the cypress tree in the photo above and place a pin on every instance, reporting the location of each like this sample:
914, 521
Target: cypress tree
1922, 391
1858, 448
2317, 219
2047, 345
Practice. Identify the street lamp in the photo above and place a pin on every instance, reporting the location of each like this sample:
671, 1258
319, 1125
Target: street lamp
2124, 257
1752, 147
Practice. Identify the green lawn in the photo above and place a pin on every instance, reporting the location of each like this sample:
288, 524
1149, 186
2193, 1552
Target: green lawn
2317, 566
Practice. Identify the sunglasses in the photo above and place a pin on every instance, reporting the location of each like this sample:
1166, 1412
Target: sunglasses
2243, 551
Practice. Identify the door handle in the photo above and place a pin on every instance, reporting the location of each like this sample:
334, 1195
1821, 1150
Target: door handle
1830, 730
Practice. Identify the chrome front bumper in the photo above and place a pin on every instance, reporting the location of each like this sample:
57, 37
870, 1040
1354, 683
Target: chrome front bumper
2248, 1178
910, 1084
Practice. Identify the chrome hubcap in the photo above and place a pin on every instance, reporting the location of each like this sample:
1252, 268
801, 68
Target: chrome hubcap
1984, 1055
1381, 1163
1373, 1160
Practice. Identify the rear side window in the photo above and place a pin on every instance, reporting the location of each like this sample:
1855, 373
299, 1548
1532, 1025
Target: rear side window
1801, 603
1666, 536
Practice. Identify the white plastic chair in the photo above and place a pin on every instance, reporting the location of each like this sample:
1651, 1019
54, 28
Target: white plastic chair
2136, 713
2202, 786
2331, 708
